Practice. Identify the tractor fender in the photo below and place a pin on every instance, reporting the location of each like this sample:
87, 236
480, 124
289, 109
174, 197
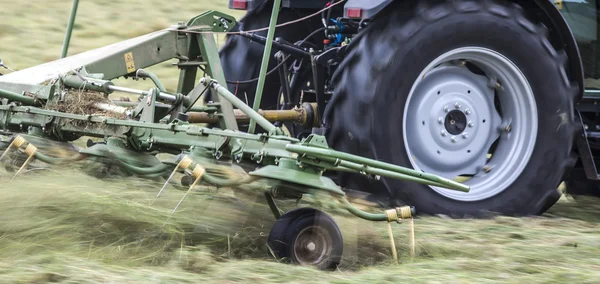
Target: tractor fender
550, 15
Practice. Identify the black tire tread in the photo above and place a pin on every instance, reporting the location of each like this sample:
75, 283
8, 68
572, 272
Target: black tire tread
388, 36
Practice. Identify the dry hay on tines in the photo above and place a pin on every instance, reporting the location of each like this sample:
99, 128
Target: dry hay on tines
84, 103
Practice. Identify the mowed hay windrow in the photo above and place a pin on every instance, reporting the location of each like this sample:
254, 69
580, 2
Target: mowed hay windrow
64, 210
66, 226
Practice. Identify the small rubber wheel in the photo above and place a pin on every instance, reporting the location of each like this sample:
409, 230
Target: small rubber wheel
307, 237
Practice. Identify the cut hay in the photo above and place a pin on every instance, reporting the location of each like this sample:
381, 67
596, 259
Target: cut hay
84, 103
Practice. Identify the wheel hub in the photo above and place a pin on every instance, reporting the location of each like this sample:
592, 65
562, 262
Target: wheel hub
312, 245
455, 122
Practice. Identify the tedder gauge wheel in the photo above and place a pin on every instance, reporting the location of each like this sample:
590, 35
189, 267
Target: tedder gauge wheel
467, 90
308, 237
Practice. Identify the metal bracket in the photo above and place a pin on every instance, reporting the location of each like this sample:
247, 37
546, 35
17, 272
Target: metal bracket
217, 21
585, 153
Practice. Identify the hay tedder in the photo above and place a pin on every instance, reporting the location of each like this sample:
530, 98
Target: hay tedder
453, 107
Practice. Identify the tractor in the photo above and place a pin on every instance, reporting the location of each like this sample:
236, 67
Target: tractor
499, 94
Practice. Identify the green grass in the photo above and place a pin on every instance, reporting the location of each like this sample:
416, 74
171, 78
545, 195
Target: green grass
32, 33
63, 226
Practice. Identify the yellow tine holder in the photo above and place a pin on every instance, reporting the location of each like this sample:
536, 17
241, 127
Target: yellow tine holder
198, 172
30, 151
395, 215
185, 163
17, 143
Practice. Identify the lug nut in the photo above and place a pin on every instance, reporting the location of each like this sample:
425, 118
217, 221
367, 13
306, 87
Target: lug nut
441, 120
453, 139
446, 109
487, 169
465, 135
468, 111
444, 133
471, 124
457, 105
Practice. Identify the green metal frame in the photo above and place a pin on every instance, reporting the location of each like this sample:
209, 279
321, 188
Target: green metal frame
265, 61
69, 32
289, 166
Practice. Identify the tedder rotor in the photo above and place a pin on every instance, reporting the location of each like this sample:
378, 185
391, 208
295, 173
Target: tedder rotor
59, 102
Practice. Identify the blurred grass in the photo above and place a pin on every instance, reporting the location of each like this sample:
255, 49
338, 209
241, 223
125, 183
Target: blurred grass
63, 226
32, 32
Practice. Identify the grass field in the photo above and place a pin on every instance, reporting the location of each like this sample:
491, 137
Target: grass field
64, 226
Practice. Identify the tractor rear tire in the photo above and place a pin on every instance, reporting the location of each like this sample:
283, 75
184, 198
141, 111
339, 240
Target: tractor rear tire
395, 101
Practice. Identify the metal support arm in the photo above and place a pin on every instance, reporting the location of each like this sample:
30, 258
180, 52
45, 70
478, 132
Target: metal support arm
263, 122
265, 62
349, 161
